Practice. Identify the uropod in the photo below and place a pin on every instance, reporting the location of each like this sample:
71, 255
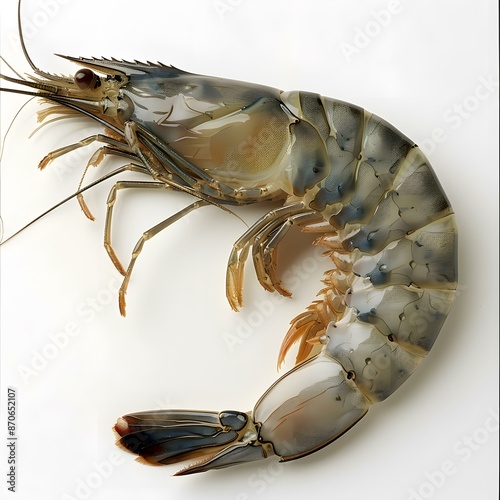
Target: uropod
339, 171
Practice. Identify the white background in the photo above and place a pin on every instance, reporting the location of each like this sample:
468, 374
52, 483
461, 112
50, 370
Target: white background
172, 350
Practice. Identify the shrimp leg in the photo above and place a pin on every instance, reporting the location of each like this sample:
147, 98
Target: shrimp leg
147, 235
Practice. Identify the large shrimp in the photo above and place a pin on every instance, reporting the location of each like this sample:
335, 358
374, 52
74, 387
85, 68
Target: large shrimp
341, 172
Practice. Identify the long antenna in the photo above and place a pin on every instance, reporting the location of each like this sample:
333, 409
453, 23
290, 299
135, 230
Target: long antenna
105, 177
64, 102
21, 37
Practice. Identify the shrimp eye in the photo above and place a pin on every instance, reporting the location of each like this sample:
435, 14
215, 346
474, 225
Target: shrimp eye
87, 79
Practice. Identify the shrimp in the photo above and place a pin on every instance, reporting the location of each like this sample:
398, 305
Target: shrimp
339, 171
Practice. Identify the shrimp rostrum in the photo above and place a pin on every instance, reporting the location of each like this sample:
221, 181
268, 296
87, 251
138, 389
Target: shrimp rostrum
364, 188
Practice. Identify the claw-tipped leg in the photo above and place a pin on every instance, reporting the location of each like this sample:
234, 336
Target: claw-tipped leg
264, 236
